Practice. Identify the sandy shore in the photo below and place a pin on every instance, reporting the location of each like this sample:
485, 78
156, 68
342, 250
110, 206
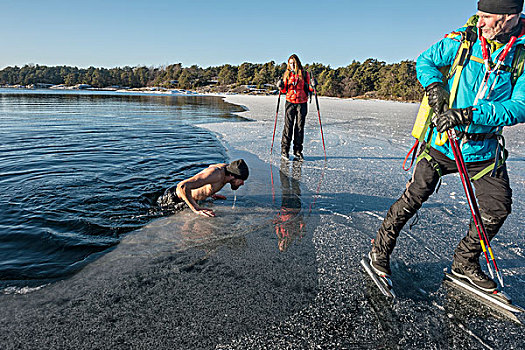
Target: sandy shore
191, 283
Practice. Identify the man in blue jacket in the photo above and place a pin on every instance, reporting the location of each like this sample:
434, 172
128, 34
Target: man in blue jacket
477, 116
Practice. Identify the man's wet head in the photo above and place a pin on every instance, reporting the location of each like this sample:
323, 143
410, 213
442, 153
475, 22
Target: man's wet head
497, 17
240, 172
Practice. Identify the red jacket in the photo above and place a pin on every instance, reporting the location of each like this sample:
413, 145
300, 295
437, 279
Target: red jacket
294, 88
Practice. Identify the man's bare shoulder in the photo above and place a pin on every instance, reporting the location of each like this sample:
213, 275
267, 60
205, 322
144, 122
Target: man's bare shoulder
212, 174
214, 168
218, 166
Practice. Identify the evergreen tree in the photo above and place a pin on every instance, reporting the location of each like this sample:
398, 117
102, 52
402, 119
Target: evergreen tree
392, 81
245, 73
330, 86
227, 75
185, 80
265, 75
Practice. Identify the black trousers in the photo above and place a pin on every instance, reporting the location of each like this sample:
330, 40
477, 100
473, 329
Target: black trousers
493, 194
294, 120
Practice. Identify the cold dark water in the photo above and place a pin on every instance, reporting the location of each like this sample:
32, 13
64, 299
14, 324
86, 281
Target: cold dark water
78, 170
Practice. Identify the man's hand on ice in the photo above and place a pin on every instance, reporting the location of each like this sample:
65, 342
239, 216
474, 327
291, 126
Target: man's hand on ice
204, 212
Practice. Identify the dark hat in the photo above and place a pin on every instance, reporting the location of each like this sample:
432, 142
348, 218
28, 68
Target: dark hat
500, 7
239, 169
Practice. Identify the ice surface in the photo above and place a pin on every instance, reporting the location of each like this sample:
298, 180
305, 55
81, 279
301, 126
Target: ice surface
281, 269
366, 142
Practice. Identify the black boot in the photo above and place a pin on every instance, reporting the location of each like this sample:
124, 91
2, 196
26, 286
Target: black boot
380, 263
298, 156
473, 273
468, 251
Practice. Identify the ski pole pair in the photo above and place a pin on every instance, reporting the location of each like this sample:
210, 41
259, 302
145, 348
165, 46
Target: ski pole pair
473, 205
318, 115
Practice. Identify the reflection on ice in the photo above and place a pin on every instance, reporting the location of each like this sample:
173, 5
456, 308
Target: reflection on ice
289, 221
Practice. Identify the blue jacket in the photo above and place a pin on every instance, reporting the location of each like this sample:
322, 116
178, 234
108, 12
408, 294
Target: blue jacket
505, 107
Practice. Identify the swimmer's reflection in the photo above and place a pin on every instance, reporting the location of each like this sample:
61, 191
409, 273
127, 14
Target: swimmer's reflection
207, 234
289, 221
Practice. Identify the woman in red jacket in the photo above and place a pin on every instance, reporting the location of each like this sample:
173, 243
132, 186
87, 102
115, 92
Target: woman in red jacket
296, 85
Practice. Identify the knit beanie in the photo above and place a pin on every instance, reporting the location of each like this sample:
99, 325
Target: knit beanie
500, 7
239, 169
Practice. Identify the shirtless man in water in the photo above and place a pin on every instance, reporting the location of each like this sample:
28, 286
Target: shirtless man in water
206, 184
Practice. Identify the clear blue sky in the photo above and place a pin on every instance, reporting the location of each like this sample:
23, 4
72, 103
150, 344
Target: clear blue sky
214, 32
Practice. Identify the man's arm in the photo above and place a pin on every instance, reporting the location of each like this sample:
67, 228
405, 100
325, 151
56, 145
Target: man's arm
439, 55
206, 177
503, 113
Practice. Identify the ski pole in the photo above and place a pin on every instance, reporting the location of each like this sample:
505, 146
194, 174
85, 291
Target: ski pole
275, 125
474, 209
476, 215
320, 124
271, 178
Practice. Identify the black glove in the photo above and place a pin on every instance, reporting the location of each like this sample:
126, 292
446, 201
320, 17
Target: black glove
280, 84
313, 82
438, 97
451, 118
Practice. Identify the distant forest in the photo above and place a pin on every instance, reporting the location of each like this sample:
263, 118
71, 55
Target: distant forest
371, 78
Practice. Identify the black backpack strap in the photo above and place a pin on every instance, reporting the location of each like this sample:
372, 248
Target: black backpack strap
306, 85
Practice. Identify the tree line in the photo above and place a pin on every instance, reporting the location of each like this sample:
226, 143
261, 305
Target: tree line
371, 78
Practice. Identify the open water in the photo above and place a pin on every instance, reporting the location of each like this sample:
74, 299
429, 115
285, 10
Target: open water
78, 170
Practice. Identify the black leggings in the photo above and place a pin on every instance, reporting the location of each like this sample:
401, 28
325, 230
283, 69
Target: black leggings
493, 194
294, 120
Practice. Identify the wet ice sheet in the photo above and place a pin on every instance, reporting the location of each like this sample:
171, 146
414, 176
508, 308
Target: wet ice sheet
223, 283
185, 281
366, 142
